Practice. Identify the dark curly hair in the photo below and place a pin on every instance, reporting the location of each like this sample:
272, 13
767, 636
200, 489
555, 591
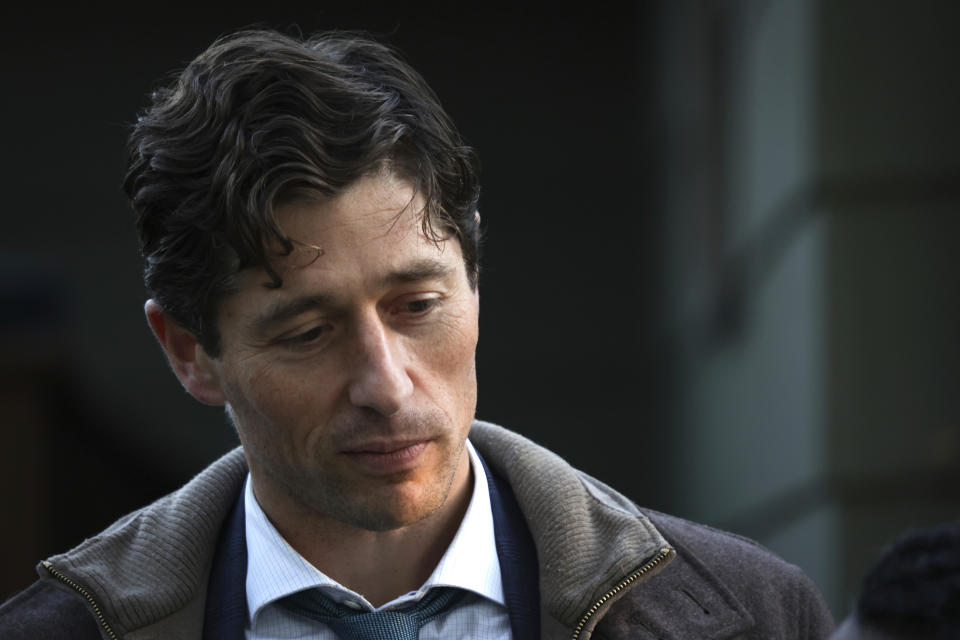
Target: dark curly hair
260, 119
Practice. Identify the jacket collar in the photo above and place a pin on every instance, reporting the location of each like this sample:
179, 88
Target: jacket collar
145, 571
588, 539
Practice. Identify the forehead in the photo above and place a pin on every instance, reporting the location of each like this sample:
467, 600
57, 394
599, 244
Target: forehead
370, 228
371, 206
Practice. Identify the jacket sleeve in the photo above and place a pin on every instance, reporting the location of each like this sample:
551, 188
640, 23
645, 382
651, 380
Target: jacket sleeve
45, 612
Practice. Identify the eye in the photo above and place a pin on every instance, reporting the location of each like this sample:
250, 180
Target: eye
416, 306
419, 306
305, 337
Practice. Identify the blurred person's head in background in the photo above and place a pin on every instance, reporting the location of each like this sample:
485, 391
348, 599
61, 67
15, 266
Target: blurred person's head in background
913, 590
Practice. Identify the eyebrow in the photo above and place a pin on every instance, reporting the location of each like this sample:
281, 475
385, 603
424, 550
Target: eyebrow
416, 271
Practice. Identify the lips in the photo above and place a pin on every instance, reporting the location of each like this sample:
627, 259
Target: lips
383, 457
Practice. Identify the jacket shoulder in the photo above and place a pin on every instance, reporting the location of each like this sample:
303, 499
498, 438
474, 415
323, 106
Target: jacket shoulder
722, 550
720, 585
43, 611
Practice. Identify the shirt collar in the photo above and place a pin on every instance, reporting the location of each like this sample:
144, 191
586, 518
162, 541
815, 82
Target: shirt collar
275, 569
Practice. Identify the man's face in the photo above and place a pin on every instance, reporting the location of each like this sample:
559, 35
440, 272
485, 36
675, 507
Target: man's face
353, 386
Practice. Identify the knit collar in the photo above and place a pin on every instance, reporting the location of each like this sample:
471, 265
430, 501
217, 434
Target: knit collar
151, 566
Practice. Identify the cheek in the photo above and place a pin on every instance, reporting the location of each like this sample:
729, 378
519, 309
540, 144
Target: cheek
450, 345
271, 403
450, 359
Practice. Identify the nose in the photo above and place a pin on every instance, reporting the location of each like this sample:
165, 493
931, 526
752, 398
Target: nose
380, 381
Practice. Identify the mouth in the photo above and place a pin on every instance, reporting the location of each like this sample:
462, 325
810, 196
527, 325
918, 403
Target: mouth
387, 457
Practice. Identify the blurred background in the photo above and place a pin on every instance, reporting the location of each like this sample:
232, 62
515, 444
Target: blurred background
721, 267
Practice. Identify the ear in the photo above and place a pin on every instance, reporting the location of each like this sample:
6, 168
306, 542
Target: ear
189, 361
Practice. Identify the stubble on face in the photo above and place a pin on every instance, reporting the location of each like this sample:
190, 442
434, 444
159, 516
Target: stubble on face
321, 490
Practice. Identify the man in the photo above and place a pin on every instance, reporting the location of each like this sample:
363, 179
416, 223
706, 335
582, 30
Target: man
308, 219
913, 590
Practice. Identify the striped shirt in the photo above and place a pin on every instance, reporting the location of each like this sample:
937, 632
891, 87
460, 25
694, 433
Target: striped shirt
275, 570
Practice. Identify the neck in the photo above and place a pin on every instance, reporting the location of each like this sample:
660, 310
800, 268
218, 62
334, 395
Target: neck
380, 565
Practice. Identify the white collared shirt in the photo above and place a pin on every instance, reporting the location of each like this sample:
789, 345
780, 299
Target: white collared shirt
275, 570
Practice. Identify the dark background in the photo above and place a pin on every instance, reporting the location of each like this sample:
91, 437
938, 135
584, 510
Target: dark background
606, 131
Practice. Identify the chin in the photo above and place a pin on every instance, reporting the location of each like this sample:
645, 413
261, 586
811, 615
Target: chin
386, 519
381, 505
395, 511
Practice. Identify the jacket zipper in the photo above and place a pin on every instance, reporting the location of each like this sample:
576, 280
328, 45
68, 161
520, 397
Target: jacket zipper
86, 594
639, 573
